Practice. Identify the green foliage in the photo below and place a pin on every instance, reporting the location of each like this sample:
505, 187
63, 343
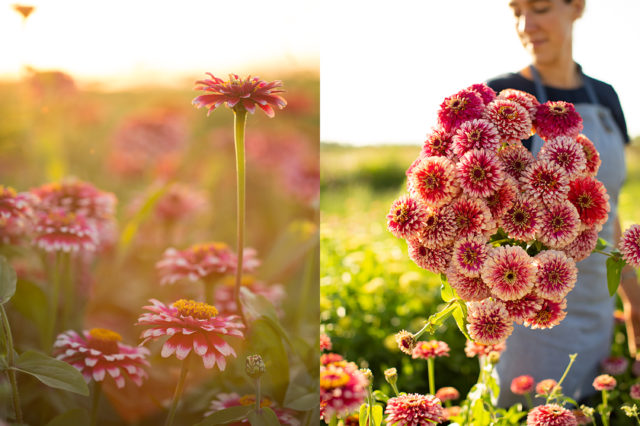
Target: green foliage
263, 417
228, 415
52, 372
7, 281
614, 269
76, 417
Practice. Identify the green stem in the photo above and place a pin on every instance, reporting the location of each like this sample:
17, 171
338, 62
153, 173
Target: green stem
395, 389
68, 290
370, 403
10, 360
605, 410
258, 396
239, 121
178, 392
208, 291
55, 296
95, 403
529, 400
572, 358
432, 381
505, 240
601, 252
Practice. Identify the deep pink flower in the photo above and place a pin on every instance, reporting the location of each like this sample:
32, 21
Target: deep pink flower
406, 217
551, 415
509, 272
629, 245
614, 365
435, 259
226, 400
591, 199
520, 221
456, 109
447, 393
584, 243
469, 255
486, 93
479, 173
556, 275
559, 225
566, 153
330, 358
475, 134
545, 182
414, 410
472, 349
469, 289
66, 232
439, 143
503, 199
438, 227
524, 308
434, 181
604, 382
549, 315
98, 351
191, 325
426, 349
488, 322
471, 216
325, 342
634, 392
557, 118
591, 155
515, 159
343, 387
524, 99
546, 386
522, 385
238, 93
511, 119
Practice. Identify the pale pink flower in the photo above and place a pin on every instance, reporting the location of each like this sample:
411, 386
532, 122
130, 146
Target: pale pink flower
524, 308
434, 259
509, 272
469, 289
330, 357
406, 217
591, 155
511, 119
472, 349
433, 180
566, 153
545, 182
559, 225
591, 199
486, 93
584, 243
522, 385
439, 143
325, 342
226, 400
66, 232
551, 415
479, 173
471, 216
447, 393
556, 275
488, 322
343, 388
546, 386
614, 365
191, 325
458, 108
98, 351
426, 349
515, 159
240, 94
438, 227
557, 118
414, 410
520, 221
503, 199
550, 314
14, 205
604, 382
475, 134
524, 99
634, 392
629, 245
469, 255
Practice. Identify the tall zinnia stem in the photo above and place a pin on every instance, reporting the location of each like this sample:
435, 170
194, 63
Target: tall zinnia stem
432, 381
178, 392
95, 402
239, 121
11, 373
55, 295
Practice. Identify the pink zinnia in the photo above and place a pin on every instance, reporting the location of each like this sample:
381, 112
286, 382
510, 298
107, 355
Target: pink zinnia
488, 322
556, 275
503, 199
240, 94
447, 393
591, 155
12, 230
604, 382
559, 225
456, 109
614, 365
406, 217
179, 202
75, 196
557, 118
99, 351
550, 314
330, 358
226, 400
629, 245
343, 388
439, 143
479, 173
469, 289
469, 255
475, 134
66, 232
472, 349
325, 342
545, 182
435, 259
566, 153
471, 216
584, 243
524, 99
434, 181
520, 221
414, 410
591, 199
522, 385
511, 119
634, 392
14, 205
486, 93
509, 272
191, 325
524, 308
551, 415
515, 159
546, 386
430, 349
438, 227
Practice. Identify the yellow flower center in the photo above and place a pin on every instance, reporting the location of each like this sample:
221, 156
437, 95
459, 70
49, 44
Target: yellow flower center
7, 191
402, 214
104, 340
251, 400
331, 379
191, 308
457, 104
508, 112
558, 109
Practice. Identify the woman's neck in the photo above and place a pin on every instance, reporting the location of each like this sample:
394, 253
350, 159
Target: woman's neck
562, 74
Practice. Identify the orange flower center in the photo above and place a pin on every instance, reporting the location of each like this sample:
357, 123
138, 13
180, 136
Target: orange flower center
520, 217
457, 104
469, 257
558, 109
431, 181
543, 316
508, 112
104, 340
401, 215
330, 379
251, 400
198, 310
557, 223
585, 201
478, 173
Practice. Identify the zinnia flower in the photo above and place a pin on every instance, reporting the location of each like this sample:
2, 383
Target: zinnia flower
546, 386
566, 153
447, 393
591, 155
226, 400
439, 143
438, 227
559, 225
520, 221
75, 196
325, 342
475, 134
524, 308
511, 119
471, 216
551, 415
456, 109
604, 382
430, 349
584, 243
556, 275
634, 392
614, 365
99, 351
479, 173
509, 272
502, 200
545, 182
342, 389
630, 245
179, 203
515, 159
191, 325
406, 217
488, 322
469, 255
522, 385
591, 199
406, 341
14, 205
486, 93
330, 358
434, 259
557, 118
414, 410
434, 181
66, 232
472, 349
237, 93
524, 99
550, 314
468, 288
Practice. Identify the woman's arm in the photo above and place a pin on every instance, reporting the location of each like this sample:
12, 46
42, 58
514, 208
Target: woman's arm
629, 292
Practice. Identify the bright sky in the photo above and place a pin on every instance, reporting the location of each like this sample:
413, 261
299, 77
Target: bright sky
387, 66
121, 41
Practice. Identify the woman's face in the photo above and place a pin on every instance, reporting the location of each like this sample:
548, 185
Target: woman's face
545, 26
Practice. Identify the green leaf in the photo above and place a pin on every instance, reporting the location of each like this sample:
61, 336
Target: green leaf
257, 306
602, 244
75, 417
7, 281
437, 319
264, 417
377, 415
493, 386
460, 315
380, 396
267, 341
363, 415
52, 372
446, 292
304, 403
31, 301
614, 268
228, 415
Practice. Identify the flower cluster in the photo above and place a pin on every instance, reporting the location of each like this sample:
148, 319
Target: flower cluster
343, 387
505, 227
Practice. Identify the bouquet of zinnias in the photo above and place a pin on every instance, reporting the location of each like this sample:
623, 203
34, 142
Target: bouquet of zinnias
503, 228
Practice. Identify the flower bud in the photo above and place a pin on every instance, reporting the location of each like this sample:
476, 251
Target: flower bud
406, 341
391, 376
254, 366
367, 374
493, 357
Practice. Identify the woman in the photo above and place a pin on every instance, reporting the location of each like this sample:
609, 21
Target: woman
545, 30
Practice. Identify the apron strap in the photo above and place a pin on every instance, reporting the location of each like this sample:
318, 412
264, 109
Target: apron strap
541, 93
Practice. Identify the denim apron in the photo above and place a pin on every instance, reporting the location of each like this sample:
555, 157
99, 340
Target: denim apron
587, 329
